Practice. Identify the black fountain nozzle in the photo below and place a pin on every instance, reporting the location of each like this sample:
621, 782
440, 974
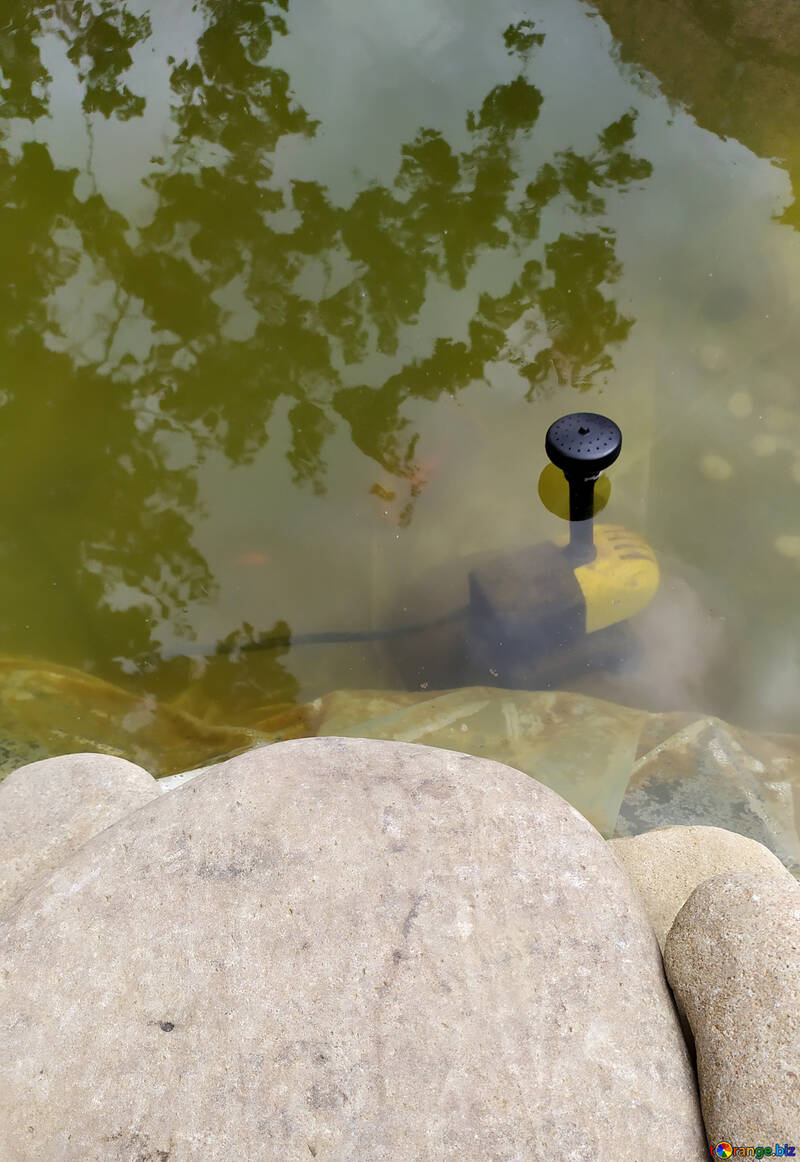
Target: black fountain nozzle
582, 445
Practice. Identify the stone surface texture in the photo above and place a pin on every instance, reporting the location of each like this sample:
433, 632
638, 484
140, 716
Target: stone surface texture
345, 950
50, 808
733, 960
667, 864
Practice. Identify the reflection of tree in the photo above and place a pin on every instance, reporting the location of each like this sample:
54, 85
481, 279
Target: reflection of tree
213, 228
581, 322
99, 47
575, 316
732, 63
521, 38
99, 38
142, 514
25, 78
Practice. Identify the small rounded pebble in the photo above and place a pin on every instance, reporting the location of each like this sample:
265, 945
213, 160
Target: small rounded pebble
713, 358
788, 546
714, 467
796, 471
740, 404
764, 445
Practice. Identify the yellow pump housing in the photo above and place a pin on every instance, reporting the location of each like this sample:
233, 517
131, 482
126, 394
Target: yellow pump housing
621, 580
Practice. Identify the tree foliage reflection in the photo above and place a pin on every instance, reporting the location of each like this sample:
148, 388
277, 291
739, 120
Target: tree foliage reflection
219, 221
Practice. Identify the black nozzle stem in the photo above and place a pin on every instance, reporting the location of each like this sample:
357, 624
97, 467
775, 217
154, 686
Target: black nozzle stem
581, 548
581, 497
582, 445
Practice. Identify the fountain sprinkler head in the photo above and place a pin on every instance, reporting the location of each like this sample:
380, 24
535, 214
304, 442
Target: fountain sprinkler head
582, 445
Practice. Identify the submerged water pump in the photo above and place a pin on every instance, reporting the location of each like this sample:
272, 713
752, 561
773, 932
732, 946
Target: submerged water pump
557, 606
535, 616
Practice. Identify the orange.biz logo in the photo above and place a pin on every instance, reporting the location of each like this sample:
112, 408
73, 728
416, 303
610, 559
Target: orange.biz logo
726, 1150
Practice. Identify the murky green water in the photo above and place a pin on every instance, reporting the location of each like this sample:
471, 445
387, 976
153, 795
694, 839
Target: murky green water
292, 294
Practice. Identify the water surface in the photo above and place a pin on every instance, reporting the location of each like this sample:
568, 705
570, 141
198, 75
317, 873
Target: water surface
292, 295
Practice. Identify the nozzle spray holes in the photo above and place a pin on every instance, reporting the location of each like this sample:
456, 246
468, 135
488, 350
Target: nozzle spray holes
583, 444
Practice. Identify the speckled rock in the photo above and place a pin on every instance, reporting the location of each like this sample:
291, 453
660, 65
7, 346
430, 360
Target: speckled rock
733, 960
341, 949
50, 808
667, 864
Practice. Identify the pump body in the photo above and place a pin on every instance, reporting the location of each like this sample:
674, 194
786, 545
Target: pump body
536, 605
537, 616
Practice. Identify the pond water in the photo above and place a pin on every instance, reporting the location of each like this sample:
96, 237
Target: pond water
292, 294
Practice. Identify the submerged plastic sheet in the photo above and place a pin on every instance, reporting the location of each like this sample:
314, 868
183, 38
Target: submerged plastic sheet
47, 709
626, 770
580, 747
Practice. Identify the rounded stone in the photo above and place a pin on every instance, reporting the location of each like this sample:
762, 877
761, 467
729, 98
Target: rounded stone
341, 949
732, 958
667, 864
50, 808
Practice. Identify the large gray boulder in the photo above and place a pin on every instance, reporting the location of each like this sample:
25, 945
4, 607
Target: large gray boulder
50, 808
733, 960
345, 950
